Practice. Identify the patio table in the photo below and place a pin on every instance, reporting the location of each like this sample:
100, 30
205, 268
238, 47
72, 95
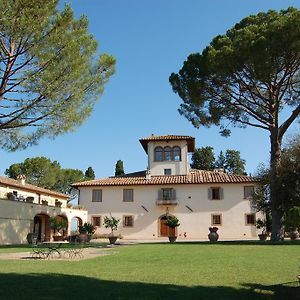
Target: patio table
54, 247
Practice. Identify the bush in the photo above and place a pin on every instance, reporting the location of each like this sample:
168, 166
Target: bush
172, 222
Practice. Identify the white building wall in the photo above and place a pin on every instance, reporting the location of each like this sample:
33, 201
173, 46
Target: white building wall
16, 219
194, 224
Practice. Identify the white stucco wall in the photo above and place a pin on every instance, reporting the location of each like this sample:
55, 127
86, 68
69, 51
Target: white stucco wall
194, 224
177, 167
16, 219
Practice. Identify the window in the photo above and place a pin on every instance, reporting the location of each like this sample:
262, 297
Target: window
215, 193
248, 191
97, 196
96, 221
167, 153
128, 195
158, 154
128, 221
167, 171
167, 194
176, 153
250, 219
216, 220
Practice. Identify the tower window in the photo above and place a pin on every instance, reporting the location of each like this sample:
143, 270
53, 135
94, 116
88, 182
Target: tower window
158, 154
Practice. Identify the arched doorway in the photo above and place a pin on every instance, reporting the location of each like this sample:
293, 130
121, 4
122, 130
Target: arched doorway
64, 231
75, 223
41, 227
165, 230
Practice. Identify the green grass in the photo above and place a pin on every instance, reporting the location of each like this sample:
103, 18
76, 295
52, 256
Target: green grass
161, 271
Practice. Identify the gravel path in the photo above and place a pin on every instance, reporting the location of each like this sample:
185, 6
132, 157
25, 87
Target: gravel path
87, 253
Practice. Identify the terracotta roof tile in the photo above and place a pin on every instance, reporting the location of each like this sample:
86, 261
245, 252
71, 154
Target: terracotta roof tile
190, 140
195, 177
30, 187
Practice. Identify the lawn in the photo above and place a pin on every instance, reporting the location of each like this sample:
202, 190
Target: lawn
161, 271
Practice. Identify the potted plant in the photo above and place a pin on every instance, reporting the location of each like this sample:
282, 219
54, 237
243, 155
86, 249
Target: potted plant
213, 235
86, 231
29, 199
44, 202
58, 203
292, 222
262, 224
58, 225
172, 222
112, 223
10, 196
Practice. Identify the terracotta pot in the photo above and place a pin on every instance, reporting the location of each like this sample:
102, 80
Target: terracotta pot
112, 239
58, 238
172, 239
82, 238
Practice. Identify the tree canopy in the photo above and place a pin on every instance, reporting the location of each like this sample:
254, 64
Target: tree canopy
89, 173
50, 75
288, 181
204, 159
234, 164
43, 172
248, 76
119, 170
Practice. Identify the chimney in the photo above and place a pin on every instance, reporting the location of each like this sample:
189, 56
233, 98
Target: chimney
148, 175
219, 170
21, 179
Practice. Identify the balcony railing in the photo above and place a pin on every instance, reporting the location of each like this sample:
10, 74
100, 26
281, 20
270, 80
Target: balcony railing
166, 202
166, 196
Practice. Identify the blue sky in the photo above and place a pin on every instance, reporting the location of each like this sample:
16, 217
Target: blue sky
150, 40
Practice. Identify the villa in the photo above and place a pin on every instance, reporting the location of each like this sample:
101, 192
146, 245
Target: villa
199, 199
26, 208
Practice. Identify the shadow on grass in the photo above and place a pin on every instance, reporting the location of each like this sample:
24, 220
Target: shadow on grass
59, 286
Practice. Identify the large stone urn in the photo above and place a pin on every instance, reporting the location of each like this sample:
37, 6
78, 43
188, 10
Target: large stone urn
294, 233
213, 235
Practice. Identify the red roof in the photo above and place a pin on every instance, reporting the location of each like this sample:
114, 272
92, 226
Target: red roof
195, 177
190, 140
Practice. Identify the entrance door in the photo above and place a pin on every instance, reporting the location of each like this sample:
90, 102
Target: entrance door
164, 229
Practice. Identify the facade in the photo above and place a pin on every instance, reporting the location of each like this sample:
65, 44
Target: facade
25, 208
199, 199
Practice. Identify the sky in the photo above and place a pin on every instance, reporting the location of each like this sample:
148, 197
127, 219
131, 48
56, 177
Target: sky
150, 40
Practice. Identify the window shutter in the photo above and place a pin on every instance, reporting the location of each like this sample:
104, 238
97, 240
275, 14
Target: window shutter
173, 194
160, 194
131, 195
209, 194
221, 193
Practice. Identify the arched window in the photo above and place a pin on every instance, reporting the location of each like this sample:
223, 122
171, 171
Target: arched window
158, 154
167, 153
176, 153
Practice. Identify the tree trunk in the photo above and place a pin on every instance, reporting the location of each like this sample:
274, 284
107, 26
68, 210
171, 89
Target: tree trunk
275, 201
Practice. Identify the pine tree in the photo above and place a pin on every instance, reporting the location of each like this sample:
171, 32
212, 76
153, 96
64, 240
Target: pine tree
119, 170
89, 173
